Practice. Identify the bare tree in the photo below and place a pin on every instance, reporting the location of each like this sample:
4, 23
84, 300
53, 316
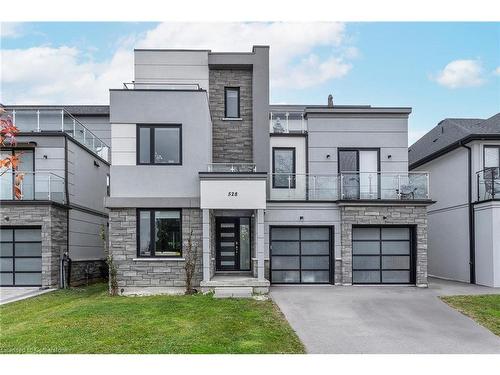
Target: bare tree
190, 256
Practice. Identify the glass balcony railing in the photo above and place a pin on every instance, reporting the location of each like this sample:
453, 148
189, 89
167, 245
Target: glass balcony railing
231, 167
350, 186
488, 184
58, 120
287, 122
34, 186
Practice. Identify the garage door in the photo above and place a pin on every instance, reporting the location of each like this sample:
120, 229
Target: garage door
20, 257
300, 255
382, 255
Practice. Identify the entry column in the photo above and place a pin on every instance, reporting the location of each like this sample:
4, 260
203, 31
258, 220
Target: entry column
206, 244
260, 243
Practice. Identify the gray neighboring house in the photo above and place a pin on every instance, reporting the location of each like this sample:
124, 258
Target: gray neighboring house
65, 161
463, 157
270, 194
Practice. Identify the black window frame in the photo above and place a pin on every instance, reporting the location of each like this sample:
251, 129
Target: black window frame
13, 151
152, 128
294, 168
152, 232
358, 149
412, 255
231, 88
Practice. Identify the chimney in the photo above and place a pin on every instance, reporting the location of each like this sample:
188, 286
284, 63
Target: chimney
330, 101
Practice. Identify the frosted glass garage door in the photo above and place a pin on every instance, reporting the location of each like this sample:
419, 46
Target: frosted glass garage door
20, 257
382, 255
300, 255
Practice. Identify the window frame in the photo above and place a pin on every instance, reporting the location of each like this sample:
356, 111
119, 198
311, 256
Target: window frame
152, 128
12, 172
294, 169
484, 155
152, 232
230, 88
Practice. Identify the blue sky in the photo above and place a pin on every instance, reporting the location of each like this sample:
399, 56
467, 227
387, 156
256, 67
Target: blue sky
439, 69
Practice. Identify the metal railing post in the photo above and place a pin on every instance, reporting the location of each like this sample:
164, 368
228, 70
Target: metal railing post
289, 186
286, 122
62, 120
302, 123
48, 188
399, 185
74, 128
38, 120
493, 183
14, 116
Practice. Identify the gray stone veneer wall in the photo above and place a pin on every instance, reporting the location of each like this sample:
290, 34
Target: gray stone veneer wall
88, 271
141, 275
53, 221
384, 215
231, 139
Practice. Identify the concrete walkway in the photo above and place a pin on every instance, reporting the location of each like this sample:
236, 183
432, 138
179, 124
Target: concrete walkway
13, 294
384, 319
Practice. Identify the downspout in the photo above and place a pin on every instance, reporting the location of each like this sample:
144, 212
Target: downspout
472, 244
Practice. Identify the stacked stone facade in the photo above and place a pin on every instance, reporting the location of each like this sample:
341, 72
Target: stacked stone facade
155, 275
88, 271
52, 219
231, 139
384, 215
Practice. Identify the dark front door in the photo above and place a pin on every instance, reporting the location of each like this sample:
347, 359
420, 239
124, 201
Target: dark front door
233, 244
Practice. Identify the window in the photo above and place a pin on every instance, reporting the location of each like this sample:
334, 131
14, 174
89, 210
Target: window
108, 185
491, 157
159, 144
159, 233
26, 167
232, 102
359, 169
283, 167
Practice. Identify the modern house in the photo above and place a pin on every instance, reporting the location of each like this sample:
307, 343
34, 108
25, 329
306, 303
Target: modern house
65, 167
270, 194
463, 157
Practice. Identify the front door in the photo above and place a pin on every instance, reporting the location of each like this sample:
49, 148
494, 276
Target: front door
233, 243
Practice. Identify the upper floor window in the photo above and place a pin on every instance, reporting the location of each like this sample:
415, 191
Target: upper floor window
232, 102
25, 168
283, 167
159, 144
491, 157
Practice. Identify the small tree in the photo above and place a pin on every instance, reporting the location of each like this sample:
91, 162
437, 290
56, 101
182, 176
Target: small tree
190, 256
112, 272
8, 132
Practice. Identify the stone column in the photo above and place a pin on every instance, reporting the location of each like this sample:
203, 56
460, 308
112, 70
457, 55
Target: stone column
206, 244
259, 229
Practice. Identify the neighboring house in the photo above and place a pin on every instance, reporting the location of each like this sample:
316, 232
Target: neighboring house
463, 158
270, 194
65, 163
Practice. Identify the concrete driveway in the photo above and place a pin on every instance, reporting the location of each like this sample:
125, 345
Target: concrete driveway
384, 319
13, 294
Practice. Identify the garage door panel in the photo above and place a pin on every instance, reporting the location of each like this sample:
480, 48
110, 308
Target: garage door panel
315, 276
395, 233
395, 262
6, 278
28, 264
285, 248
28, 235
315, 248
29, 249
395, 276
286, 276
28, 279
366, 247
365, 233
6, 264
286, 262
6, 234
366, 276
6, 250
300, 254
366, 262
396, 247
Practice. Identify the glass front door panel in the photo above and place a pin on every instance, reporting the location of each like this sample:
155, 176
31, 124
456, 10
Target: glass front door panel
368, 177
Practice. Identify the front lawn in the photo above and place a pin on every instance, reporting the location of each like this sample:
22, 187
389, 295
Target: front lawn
484, 309
87, 320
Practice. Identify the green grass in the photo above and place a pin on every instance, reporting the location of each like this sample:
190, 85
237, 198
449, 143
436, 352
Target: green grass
87, 320
484, 309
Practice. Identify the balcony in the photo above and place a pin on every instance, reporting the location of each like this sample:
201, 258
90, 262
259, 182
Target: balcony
231, 168
160, 86
488, 184
287, 122
58, 120
350, 186
34, 186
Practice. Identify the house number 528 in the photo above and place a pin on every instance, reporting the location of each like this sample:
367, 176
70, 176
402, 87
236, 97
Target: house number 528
232, 194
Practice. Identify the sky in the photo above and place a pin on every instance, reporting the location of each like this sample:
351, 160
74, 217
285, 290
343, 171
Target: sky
441, 70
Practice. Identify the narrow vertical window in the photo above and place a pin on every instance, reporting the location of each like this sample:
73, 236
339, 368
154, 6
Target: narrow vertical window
283, 167
232, 102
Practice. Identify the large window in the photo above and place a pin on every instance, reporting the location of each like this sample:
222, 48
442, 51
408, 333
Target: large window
159, 233
283, 167
26, 167
232, 102
359, 168
159, 144
491, 157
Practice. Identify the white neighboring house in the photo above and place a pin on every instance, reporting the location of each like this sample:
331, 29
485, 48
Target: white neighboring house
463, 158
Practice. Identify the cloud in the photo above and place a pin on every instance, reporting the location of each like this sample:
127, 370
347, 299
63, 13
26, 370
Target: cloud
497, 71
10, 29
65, 74
461, 73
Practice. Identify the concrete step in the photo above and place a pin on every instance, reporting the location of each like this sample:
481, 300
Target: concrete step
233, 292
